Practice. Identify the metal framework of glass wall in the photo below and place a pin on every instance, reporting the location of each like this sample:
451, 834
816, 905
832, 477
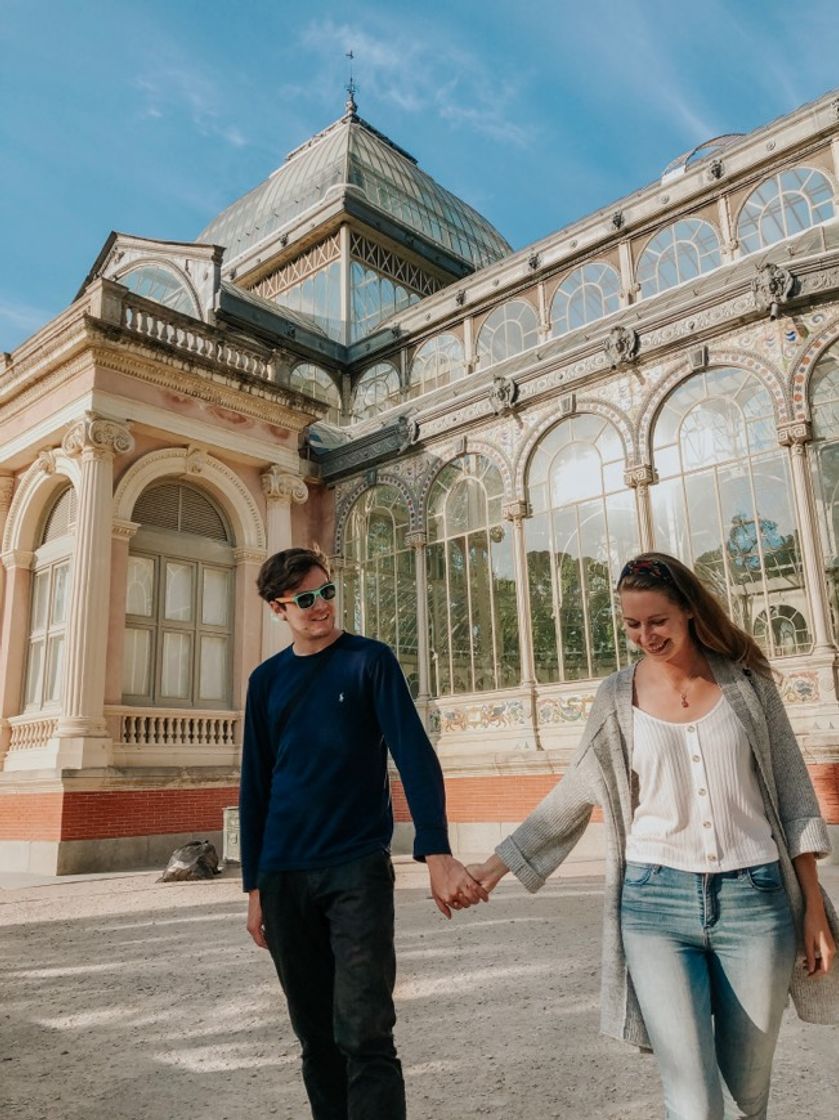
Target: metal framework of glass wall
582, 530
724, 503
379, 579
473, 620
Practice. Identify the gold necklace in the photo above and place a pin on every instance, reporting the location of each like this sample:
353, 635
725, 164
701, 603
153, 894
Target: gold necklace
683, 692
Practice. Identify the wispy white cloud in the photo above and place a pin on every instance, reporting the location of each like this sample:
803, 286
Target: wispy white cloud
19, 320
175, 88
418, 73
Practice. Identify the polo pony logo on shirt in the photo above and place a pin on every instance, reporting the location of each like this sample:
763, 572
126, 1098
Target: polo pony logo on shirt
340, 698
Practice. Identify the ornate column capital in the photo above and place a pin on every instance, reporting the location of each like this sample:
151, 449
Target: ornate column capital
249, 555
416, 539
17, 558
279, 485
516, 510
796, 435
641, 475
97, 437
7, 487
124, 530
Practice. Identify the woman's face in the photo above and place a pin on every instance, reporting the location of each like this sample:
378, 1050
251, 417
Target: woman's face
654, 623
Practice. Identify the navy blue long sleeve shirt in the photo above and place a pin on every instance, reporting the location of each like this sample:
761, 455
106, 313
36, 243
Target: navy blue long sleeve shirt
321, 796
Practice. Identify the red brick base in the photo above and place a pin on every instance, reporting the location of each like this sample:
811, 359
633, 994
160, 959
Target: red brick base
105, 814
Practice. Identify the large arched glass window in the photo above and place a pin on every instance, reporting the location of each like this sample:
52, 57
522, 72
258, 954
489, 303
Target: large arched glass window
587, 294
44, 681
582, 530
473, 621
508, 330
316, 382
824, 405
161, 285
724, 502
784, 205
380, 590
377, 390
678, 253
437, 362
179, 602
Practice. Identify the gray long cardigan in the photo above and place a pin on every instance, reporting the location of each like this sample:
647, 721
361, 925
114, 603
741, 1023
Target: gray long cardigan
601, 774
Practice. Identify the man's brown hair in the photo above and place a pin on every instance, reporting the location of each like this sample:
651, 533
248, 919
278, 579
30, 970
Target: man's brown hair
284, 570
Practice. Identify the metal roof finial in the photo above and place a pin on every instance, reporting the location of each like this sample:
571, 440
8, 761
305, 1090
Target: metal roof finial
351, 106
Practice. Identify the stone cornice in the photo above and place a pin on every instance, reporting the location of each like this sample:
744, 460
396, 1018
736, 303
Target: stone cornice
17, 558
124, 530
249, 555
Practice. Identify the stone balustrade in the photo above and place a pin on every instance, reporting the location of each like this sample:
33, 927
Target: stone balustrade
155, 322
173, 727
30, 733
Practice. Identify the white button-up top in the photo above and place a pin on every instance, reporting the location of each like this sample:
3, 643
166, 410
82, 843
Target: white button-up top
700, 807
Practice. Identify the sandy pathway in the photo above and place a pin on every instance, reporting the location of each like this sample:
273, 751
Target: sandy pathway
124, 999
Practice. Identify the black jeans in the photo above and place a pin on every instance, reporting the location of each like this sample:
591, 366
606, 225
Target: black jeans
330, 934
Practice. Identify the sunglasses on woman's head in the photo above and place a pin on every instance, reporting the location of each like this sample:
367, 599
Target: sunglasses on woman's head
305, 599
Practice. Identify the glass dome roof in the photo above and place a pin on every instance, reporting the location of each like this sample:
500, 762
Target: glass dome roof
353, 153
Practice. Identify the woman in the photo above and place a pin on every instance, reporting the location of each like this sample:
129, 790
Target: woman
713, 831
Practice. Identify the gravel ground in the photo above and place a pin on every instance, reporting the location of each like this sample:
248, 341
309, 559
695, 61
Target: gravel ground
126, 999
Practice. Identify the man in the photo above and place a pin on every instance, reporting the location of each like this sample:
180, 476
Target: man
316, 824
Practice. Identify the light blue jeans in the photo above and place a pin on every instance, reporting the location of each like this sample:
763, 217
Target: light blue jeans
711, 957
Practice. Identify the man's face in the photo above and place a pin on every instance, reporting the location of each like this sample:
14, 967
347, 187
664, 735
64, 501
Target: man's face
314, 622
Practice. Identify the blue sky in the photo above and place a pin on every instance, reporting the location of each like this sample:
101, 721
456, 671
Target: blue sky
150, 116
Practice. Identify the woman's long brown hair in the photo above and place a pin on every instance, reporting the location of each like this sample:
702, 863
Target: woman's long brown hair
710, 626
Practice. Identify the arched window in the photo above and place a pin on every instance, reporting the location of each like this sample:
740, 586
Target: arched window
585, 295
437, 362
508, 330
724, 501
44, 681
784, 205
473, 620
824, 407
316, 382
179, 601
162, 285
581, 531
380, 590
377, 390
678, 253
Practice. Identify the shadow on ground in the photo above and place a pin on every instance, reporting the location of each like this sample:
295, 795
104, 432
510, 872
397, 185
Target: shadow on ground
126, 999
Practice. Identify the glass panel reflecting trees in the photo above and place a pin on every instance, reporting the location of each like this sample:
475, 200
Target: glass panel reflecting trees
375, 297
724, 503
681, 252
316, 382
824, 405
319, 297
380, 590
587, 294
378, 389
783, 205
582, 531
473, 622
508, 330
437, 362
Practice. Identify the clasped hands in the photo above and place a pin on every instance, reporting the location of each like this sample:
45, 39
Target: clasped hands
455, 887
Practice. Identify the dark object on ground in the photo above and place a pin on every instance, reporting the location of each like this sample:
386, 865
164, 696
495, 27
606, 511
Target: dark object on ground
196, 860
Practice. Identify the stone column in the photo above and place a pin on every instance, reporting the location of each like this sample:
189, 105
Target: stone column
121, 535
281, 489
640, 479
515, 513
728, 242
796, 436
81, 734
7, 486
628, 285
418, 541
14, 630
